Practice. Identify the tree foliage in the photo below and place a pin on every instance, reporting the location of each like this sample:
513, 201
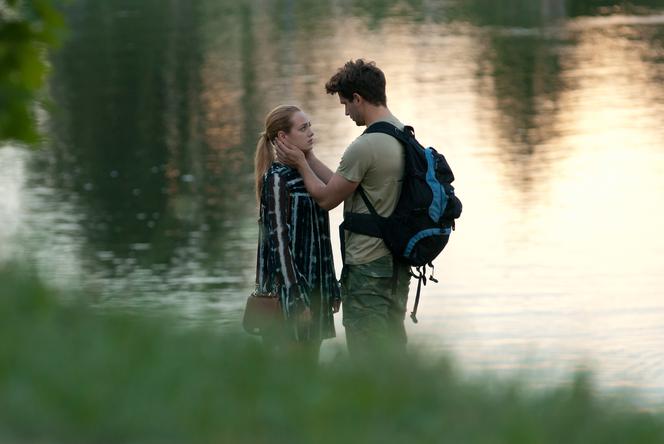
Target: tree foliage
28, 29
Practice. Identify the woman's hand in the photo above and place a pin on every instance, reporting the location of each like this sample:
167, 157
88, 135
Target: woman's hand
336, 305
305, 316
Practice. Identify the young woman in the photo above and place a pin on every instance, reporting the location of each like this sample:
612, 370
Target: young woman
294, 251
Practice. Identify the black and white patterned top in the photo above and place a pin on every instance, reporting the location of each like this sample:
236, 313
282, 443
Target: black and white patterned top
294, 250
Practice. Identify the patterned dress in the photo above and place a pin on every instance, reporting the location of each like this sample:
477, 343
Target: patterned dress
294, 251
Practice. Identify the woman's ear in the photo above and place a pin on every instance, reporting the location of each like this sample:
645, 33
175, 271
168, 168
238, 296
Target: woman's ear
282, 135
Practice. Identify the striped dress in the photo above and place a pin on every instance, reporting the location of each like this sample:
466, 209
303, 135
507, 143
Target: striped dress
294, 251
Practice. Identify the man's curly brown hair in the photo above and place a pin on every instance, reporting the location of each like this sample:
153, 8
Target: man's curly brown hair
363, 78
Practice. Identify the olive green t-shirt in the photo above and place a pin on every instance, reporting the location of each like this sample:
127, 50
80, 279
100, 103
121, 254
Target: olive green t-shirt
376, 161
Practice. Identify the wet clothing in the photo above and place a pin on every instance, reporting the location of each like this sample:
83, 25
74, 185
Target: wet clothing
295, 254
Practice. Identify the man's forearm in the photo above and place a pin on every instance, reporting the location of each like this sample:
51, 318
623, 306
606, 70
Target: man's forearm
325, 187
314, 184
319, 168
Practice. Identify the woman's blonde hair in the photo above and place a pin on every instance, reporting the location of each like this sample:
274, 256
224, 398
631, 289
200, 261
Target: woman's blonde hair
279, 119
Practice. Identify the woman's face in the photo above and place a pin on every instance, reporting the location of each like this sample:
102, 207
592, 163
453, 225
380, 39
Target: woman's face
300, 133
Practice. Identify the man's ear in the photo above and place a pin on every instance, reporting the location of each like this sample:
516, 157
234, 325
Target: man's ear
357, 98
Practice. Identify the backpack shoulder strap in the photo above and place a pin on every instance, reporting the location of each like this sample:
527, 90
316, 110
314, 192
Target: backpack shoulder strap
367, 202
391, 130
362, 223
370, 224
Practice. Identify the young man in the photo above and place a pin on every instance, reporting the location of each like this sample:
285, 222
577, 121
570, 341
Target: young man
374, 289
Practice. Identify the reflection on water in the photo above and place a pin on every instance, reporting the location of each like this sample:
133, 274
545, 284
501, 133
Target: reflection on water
549, 112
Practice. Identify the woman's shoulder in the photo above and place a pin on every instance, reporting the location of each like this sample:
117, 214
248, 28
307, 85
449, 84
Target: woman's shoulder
281, 170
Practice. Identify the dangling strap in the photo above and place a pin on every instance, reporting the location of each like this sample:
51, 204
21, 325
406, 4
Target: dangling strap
431, 278
421, 279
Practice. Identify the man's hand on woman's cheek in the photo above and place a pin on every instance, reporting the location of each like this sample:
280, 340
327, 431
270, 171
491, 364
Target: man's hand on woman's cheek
288, 154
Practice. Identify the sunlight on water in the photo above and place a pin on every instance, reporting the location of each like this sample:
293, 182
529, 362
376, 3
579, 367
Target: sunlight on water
556, 261
11, 162
554, 132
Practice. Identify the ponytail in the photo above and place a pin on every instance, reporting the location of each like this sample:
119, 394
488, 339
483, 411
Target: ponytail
279, 119
263, 160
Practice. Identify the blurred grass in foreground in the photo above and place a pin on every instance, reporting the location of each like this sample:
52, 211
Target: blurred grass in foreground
69, 374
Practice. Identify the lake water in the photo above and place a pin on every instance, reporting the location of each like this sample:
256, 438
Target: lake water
551, 114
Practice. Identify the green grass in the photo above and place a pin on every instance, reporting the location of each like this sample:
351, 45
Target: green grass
69, 374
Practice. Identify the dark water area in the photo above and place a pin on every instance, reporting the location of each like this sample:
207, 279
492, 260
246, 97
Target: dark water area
550, 113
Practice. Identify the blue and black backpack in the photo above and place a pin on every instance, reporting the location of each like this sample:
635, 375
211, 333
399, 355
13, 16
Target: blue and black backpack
424, 217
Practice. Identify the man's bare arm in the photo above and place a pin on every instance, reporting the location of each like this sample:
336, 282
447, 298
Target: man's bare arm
328, 195
320, 169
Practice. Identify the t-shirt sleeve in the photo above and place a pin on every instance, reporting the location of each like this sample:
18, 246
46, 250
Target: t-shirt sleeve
356, 160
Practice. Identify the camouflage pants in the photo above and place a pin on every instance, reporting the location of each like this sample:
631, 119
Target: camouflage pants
374, 306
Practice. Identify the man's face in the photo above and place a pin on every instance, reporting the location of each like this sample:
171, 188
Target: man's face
351, 107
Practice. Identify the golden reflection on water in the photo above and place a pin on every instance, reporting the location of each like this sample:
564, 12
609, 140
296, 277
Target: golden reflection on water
557, 258
555, 135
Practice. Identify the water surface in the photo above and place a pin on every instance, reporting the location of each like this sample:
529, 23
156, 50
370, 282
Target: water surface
550, 115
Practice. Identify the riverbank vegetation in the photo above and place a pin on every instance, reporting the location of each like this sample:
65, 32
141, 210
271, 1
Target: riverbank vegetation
28, 30
72, 374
